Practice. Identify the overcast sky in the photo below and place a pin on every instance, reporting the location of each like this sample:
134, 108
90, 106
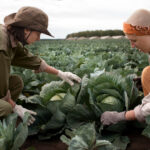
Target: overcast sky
68, 16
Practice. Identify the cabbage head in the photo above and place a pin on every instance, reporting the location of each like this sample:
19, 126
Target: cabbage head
58, 96
111, 103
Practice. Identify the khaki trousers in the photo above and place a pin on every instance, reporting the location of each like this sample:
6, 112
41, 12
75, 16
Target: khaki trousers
15, 87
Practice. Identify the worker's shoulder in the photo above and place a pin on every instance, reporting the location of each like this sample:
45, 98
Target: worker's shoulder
4, 39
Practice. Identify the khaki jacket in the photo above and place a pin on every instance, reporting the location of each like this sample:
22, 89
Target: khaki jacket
13, 53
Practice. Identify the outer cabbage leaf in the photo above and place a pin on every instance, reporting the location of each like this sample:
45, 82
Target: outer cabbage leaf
85, 138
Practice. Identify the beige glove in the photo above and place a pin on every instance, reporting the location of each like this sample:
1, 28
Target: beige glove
21, 111
68, 77
112, 117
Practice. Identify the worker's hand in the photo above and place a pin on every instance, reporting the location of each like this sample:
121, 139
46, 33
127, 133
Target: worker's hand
68, 77
21, 112
112, 117
8, 99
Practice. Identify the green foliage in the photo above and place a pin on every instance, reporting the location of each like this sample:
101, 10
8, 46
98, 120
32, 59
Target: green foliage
80, 115
111, 92
51, 115
84, 138
107, 92
107, 69
146, 131
82, 57
12, 137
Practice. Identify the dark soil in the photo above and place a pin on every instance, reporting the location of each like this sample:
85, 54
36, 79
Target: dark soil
137, 142
52, 144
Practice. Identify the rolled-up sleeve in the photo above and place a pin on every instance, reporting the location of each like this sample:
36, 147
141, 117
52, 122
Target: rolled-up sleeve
23, 58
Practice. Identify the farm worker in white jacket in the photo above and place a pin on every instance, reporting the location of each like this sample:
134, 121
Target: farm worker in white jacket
137, 30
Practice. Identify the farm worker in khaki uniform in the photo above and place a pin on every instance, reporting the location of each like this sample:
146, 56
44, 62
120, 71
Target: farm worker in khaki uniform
23, 27
137, 30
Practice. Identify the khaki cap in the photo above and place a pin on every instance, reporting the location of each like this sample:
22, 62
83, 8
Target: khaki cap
29, 17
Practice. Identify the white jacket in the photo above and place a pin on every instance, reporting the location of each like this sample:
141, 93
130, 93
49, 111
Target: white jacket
143, 110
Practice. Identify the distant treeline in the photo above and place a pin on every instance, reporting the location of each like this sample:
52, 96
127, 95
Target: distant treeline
98, 33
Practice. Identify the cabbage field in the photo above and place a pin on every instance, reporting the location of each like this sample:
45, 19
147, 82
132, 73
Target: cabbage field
107, 68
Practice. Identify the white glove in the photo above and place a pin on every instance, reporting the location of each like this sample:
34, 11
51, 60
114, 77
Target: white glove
68, 77
21, 111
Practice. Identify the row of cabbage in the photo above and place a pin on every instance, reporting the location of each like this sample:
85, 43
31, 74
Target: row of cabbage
107, 69
83, 57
